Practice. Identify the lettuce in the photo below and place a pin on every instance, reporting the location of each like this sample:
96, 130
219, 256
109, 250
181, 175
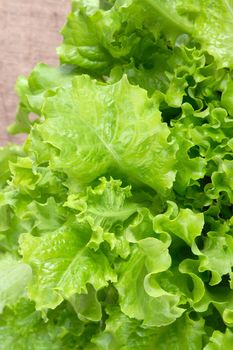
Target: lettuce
116, 213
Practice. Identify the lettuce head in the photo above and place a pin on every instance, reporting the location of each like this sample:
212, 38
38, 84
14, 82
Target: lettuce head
116, 221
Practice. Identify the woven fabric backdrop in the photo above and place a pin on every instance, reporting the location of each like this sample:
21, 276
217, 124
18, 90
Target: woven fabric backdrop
29, 33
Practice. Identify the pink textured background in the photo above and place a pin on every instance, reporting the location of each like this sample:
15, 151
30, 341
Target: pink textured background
29, 33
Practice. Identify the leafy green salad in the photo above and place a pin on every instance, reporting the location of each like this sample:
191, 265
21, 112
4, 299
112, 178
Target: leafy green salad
116, 220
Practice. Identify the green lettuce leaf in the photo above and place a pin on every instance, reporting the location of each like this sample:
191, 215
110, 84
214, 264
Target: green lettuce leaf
23, 328
106, 208
32, 91
123, 333
216, 255
14, 277
184, 224
8, 154
220, 340
62, 265
140, 293
119, 141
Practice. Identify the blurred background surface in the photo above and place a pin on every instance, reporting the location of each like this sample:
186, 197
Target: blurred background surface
29, 33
